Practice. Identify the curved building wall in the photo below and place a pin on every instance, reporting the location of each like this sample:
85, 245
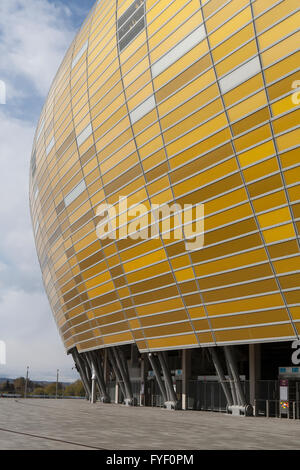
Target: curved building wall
188, 102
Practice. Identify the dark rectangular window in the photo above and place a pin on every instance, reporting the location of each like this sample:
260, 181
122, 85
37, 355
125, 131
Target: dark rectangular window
131, 23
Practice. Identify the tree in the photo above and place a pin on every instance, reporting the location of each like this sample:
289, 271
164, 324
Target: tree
51, 389
19, 385
7, 387
75, 389
39, 391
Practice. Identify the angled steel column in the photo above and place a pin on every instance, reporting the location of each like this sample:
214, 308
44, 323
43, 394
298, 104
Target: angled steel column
116, 371
232, 386
105, 366
96, 360
156, 371
120, 360
99, 370
79, 372
124, 364
221, 375
94, 367
80, 364
168, 379
233, 366
88, 366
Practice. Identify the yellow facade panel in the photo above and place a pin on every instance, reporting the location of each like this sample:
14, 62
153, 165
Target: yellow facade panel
167, 111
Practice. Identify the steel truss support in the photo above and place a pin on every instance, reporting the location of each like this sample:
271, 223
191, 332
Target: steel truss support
242, 405
166, 386
118, 362
123, 368
88, 367
172, 399
157, 374
82, 371
95, 361
221, 375
234, 370
232, 386
113, 363
90, 371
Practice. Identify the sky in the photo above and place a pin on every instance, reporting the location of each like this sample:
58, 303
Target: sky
34, 37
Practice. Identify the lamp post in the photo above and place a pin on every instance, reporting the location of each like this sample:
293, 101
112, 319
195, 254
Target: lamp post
26, 382
57, 372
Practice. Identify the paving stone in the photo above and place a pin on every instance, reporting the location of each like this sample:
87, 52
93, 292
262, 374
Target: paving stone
74, 424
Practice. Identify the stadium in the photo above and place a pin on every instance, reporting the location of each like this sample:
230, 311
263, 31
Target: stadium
175, 104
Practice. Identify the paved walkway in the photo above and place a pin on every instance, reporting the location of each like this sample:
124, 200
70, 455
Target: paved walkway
71, 424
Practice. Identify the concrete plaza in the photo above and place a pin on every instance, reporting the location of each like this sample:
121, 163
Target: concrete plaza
76, 424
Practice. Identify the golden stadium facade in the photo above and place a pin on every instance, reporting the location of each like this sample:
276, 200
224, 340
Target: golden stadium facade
183, 101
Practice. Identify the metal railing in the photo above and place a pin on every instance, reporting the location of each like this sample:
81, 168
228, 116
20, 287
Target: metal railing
157, 401
43, 396
206, 396
111, 387
277, 409
209, 396
10, 395
136, 392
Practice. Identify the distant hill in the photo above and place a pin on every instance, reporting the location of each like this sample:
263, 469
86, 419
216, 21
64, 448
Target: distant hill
4, 379
36, 382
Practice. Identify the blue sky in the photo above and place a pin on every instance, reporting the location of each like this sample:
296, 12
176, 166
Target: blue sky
34, 36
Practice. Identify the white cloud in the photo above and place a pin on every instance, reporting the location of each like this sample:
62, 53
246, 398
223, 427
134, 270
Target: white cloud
26, 323
34, 37
17, 251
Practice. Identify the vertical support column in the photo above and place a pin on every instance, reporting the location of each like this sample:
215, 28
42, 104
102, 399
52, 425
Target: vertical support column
144, 372
186, 373
93, 394
254, 370
117, 393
